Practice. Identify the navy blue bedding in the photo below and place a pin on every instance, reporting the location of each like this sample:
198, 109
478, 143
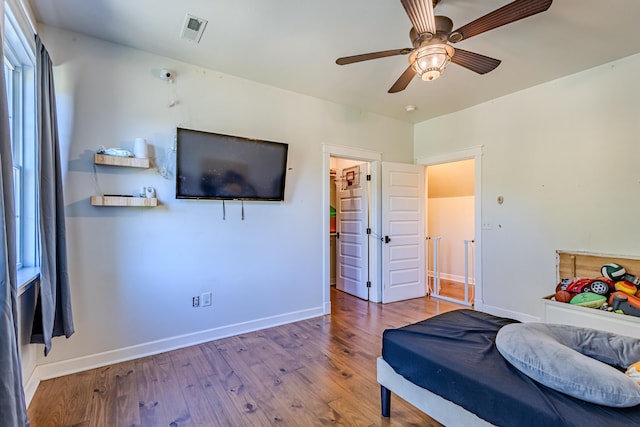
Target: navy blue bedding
454, 355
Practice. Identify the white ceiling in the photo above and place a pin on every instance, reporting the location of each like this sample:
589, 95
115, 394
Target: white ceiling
293, 44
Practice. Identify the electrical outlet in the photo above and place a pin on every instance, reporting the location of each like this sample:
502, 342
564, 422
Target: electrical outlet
195, 301
206, 299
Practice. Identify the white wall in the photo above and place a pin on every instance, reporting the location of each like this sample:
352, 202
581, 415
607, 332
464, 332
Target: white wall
565, 156
451, 219
28, 352
133, 271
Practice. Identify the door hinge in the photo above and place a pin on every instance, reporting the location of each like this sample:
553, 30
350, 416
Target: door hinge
368, 231
368, 177
368, 284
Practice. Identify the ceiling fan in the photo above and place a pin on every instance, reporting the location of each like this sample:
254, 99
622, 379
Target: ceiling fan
431, 52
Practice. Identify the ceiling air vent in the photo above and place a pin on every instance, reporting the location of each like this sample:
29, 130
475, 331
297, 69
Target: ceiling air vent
193, 28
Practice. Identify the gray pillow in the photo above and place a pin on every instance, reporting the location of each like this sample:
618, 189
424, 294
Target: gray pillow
573, 360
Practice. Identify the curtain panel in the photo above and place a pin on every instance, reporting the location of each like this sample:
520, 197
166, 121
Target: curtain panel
13, 410
53, 310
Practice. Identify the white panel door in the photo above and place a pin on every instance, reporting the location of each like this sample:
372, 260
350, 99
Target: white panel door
352, 220
403, 218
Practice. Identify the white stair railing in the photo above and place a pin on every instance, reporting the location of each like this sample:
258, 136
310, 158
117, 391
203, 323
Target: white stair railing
467, 247
436, 272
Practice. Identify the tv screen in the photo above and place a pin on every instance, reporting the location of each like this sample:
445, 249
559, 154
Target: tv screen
224, 167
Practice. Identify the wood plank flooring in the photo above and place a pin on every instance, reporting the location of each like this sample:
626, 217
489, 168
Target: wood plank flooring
315, 372
453, 289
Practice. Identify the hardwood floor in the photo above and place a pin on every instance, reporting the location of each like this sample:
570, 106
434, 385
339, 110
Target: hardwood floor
315, 372
453, 289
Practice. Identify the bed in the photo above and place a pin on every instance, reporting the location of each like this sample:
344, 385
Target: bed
449, 367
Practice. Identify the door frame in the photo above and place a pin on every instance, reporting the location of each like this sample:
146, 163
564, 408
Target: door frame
476, 154
374, 158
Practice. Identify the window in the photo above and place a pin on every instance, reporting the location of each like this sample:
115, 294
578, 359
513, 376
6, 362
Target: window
16, 151
19, 68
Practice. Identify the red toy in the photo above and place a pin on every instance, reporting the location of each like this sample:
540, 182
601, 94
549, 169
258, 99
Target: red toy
600, 286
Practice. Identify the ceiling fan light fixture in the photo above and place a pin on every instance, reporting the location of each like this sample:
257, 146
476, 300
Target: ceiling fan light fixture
431, 74
430, 61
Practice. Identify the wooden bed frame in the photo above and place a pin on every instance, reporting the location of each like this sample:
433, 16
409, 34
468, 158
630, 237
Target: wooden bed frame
438, 408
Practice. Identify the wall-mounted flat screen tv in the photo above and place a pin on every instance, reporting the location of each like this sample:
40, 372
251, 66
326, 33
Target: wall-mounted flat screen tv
224, 167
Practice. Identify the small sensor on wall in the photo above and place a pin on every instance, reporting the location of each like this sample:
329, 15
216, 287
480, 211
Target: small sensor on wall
193, 28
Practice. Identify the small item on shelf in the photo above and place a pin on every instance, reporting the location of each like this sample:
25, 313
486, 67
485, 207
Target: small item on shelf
140, 149
119, 152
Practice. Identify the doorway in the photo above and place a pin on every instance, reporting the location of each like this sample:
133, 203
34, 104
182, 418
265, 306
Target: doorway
350, 213
375, 211
450, 225
401, 274
357, 155
459, 258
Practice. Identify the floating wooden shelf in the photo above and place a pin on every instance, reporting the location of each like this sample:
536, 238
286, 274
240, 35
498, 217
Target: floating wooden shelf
149, 202
131, 162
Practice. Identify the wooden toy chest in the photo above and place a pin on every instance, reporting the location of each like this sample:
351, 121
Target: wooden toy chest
587, 265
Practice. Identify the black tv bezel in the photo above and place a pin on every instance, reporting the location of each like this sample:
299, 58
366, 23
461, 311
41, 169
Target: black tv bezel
283, 145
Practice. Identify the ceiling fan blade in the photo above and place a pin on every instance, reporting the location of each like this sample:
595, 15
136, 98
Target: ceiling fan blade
474, 61
512, 12
374, 55
420, 14
403, 81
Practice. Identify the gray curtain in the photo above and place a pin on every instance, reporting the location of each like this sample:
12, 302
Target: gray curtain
12, 405
53, 309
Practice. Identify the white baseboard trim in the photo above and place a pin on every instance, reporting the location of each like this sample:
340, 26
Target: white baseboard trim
327, 307
79, 364
497, 311
453, 277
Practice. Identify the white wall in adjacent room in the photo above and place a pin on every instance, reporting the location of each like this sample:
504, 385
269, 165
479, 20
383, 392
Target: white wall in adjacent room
133, 271
451, 219
564, 155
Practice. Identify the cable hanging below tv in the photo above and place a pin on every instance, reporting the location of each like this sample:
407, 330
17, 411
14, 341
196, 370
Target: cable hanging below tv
213, 166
